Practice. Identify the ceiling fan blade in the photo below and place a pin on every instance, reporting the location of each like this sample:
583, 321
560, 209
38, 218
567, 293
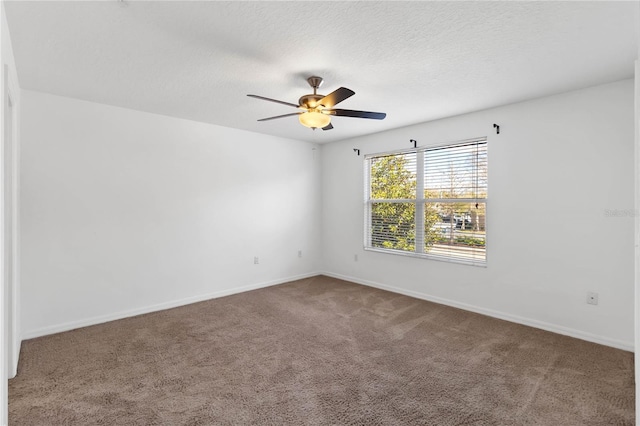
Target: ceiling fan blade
281, 116
274, 100
336, 97
328, 127
357, 114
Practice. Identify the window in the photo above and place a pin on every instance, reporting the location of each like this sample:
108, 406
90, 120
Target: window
428, 202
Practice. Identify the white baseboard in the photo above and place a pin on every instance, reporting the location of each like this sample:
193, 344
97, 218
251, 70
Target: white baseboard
627, 346
619, 344
58, 328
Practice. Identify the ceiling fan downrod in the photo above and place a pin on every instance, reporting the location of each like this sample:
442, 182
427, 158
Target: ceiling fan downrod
315, 82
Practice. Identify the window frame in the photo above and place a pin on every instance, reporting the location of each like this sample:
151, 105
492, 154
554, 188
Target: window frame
420, 202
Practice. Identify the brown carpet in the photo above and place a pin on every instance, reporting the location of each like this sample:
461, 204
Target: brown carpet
319, 351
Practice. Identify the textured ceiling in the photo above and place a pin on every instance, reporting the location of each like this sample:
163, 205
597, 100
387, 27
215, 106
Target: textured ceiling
416, 61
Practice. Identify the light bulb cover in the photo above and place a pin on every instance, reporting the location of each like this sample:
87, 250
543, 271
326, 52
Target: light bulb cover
314, 119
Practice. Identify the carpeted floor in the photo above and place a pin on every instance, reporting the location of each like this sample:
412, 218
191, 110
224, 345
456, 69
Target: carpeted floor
320, 352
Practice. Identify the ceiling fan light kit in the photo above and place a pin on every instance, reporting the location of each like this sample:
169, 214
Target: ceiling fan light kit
314, 119
318, 109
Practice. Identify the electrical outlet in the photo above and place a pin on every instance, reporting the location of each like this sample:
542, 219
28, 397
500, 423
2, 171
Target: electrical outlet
299, 253
592, 298
256, 260
355, 257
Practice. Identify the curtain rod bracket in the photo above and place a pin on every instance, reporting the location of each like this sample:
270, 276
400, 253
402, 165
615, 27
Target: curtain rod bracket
356, 150
495, 126
414, 142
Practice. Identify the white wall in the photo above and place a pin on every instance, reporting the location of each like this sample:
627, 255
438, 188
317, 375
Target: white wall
125, 212
557, 166
637, 219
10, 204
9, 213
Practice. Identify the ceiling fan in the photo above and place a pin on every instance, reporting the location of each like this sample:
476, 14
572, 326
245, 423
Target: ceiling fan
317, 109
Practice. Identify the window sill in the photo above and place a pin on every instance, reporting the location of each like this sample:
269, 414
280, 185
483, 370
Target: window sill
471, 262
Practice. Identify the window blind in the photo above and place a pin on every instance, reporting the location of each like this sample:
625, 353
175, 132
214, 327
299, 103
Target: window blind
428, 202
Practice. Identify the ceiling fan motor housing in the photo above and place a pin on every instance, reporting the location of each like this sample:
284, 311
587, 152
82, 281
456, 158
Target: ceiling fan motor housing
310, 101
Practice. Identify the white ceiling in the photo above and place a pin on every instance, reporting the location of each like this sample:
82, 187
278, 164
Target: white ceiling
416, 61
